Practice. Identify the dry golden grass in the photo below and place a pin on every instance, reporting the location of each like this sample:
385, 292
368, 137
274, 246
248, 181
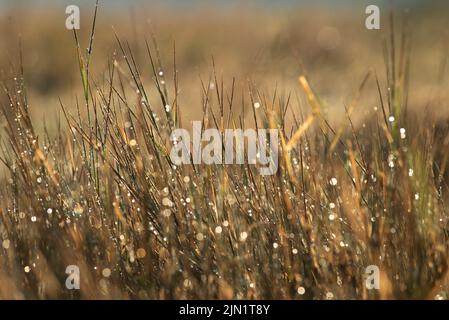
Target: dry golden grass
99, 191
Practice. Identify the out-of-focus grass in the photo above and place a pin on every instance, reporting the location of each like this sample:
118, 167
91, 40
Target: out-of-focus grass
99, 190
269, 46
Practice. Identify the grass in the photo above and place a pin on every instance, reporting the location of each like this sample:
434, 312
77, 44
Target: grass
102, 194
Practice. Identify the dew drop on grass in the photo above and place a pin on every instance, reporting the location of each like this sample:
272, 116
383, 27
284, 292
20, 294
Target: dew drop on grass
5, 244
333, 181
33, 218
27, 269
78, 209
106, 272
141, 253
301, 290
166, 213
218, 230
257, 105
331, 217
391, 161
200, 237
167, 202
243, 236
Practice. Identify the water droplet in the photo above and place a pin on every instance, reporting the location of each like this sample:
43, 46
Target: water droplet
391, 161
167, 202
141, 253
200, 237
333, 181
106, 272
6, 243
301, 290
78, 209
166, 213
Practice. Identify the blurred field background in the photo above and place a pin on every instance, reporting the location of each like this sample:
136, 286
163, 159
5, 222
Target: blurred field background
266, 43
